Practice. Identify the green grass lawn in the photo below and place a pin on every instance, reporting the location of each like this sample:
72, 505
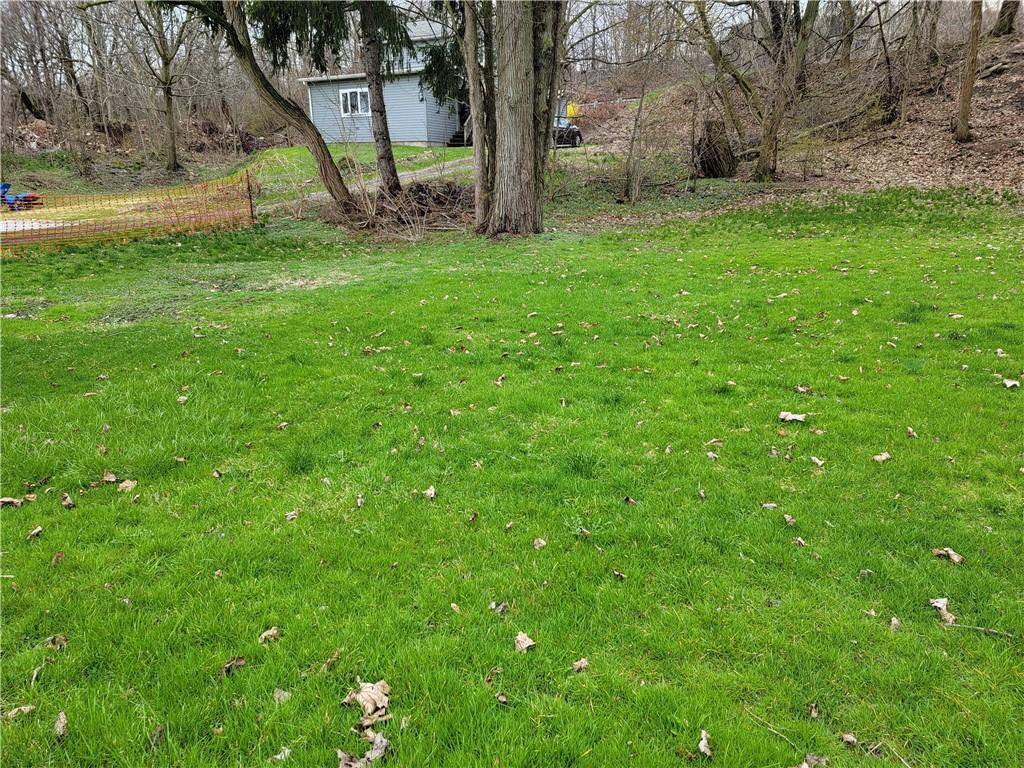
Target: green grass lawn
289, 172
238, 378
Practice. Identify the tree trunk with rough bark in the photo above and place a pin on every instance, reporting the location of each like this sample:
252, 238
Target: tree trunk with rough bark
962, 130
514, 208
790, 69
470, 43
237, 38
369, 41
170, 127
849, 17
1004, 21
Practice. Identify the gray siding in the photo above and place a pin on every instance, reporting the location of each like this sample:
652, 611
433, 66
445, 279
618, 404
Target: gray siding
442, 119
410, 119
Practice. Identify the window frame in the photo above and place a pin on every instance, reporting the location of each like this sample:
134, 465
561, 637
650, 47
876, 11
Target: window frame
343, 101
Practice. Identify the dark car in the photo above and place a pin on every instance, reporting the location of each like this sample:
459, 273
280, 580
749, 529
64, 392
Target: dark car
567, 134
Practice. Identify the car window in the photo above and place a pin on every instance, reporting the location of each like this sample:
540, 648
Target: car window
561, 122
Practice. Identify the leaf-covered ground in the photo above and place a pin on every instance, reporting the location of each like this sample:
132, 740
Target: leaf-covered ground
255, 386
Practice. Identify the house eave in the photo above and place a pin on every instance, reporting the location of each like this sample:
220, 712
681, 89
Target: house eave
355, 76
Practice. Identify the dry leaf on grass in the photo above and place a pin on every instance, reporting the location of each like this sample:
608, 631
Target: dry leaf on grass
56, 642
619, 575
60, 726
371, 697
11, 501
156, 737
127, 486
812, 711
539, 543
911, 433
281, 696
704, 745
849, 740
269, 634
581, 665
380, 746
789, 519
1011, 383
501, 698
283, 755
629, 500
819, 463
35, 533
941, 604
430, 493
292, 516
799, 542
787, 416
66, 501
24, 709
949, 554
523, 642
881, 457
498, 608
894, 624
769, 505
232, 664
109, 477
812, 761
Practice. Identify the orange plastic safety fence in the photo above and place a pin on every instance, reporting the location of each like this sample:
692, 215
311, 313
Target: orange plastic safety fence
54, 219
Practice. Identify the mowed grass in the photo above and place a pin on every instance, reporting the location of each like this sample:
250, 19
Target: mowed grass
610, 348
289, 172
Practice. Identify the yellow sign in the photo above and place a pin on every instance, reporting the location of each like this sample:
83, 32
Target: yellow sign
571, 110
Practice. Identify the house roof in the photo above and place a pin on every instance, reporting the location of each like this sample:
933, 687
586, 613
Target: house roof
355, 76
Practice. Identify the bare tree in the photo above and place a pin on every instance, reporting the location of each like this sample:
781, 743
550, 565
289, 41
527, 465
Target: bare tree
166, 29
962, 128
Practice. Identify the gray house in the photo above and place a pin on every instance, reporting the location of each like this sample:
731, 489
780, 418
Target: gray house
339, 105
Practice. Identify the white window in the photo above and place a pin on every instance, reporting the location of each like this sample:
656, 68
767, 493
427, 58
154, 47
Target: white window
355, 101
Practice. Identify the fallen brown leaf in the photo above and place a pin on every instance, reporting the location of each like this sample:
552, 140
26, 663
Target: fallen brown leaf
232, 664
281, 696
371, 697
66, 501
269, 634
58, 557
849, 740
10, 501
430, 493
156, 737
109, 477
581, 665
812, 761
813, 711
949, 554
941, 604
704, 745
787, 416
60, 726
501, 698
24, 709
523, 642
35, 533
881, 457
539, 543
56, 642
894, 624
789, 519
380, 746
127, 486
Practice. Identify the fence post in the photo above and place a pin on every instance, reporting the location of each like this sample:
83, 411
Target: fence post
248, 189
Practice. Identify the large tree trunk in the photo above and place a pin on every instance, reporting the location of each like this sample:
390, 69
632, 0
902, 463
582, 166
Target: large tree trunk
237, 37
514, 206
1004, 21
962, 131
370, 43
